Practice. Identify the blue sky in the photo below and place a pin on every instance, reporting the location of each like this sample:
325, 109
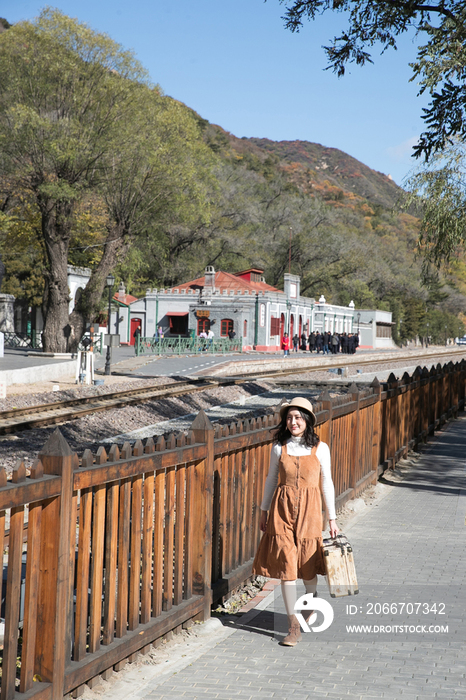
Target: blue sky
235, 63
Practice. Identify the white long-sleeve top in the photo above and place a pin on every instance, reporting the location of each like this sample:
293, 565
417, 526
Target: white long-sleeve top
296, 448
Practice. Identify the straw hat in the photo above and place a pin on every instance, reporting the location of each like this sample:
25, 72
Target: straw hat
300, 403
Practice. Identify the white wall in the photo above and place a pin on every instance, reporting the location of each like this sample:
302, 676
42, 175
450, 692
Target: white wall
78, 277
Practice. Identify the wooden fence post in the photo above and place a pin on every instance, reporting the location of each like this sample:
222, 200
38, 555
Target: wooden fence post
326, 428
460, 384
203, 481
392, 416
376, 428
425, 404
442, 410
433, 399
13, 592
454, 388
451, 390
54, 603
416, 407
404, 407
32, 584
355, 447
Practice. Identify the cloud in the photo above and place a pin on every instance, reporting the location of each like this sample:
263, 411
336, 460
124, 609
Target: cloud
403, 150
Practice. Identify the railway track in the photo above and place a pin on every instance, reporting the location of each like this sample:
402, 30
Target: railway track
20, 419
348, 361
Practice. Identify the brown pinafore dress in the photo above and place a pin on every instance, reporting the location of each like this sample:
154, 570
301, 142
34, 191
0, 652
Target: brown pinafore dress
291, 547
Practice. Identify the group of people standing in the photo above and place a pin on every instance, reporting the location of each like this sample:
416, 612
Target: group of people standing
327, 343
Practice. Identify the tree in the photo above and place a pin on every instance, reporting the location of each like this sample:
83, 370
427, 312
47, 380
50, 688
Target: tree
414, 319
441, 62
22, 253
441, 70
79, 118
439, 190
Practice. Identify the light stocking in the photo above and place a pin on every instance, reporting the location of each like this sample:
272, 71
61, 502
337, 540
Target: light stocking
289, 596
311, 585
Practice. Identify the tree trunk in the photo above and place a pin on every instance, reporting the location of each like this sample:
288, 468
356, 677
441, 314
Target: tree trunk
90, 302
56, 232
62, 331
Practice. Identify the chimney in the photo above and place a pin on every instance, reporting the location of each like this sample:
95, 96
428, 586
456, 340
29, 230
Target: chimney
209, 276
121, 292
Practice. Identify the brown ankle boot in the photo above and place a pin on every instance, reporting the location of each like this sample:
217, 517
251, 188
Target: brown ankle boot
294, 633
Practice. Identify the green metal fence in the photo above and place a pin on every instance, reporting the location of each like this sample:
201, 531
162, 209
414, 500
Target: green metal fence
34, 341
186, 346
23, 340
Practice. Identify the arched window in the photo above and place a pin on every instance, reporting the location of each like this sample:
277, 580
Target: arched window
226, 325
245, 329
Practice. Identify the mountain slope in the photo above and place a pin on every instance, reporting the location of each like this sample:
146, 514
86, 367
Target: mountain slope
335, 166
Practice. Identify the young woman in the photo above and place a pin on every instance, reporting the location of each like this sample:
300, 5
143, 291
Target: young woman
286, 344
291, 517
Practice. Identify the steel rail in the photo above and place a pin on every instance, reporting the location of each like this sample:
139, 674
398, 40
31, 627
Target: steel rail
409, 359
17, 420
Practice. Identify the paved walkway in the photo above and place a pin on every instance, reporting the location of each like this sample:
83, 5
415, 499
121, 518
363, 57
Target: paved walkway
410, 548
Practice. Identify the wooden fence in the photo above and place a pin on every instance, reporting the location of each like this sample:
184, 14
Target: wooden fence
125, 547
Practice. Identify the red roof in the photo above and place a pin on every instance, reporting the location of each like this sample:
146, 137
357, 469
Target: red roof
125, 299
229, 282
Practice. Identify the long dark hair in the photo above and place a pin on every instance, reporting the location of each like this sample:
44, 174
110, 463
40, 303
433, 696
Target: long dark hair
310, 437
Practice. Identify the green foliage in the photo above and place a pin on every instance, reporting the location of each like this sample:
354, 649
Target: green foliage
65, 94
440, 326
440, 69
369, 23
440, 65
22, 253
439, 190
413, 319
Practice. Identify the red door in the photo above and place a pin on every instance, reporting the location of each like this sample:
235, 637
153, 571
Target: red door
292, 326
282, 326
135, 323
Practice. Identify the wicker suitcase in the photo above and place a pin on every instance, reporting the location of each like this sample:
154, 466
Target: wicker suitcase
339, 567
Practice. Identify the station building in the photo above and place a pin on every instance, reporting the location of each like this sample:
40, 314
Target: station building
221, 301
243, 302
